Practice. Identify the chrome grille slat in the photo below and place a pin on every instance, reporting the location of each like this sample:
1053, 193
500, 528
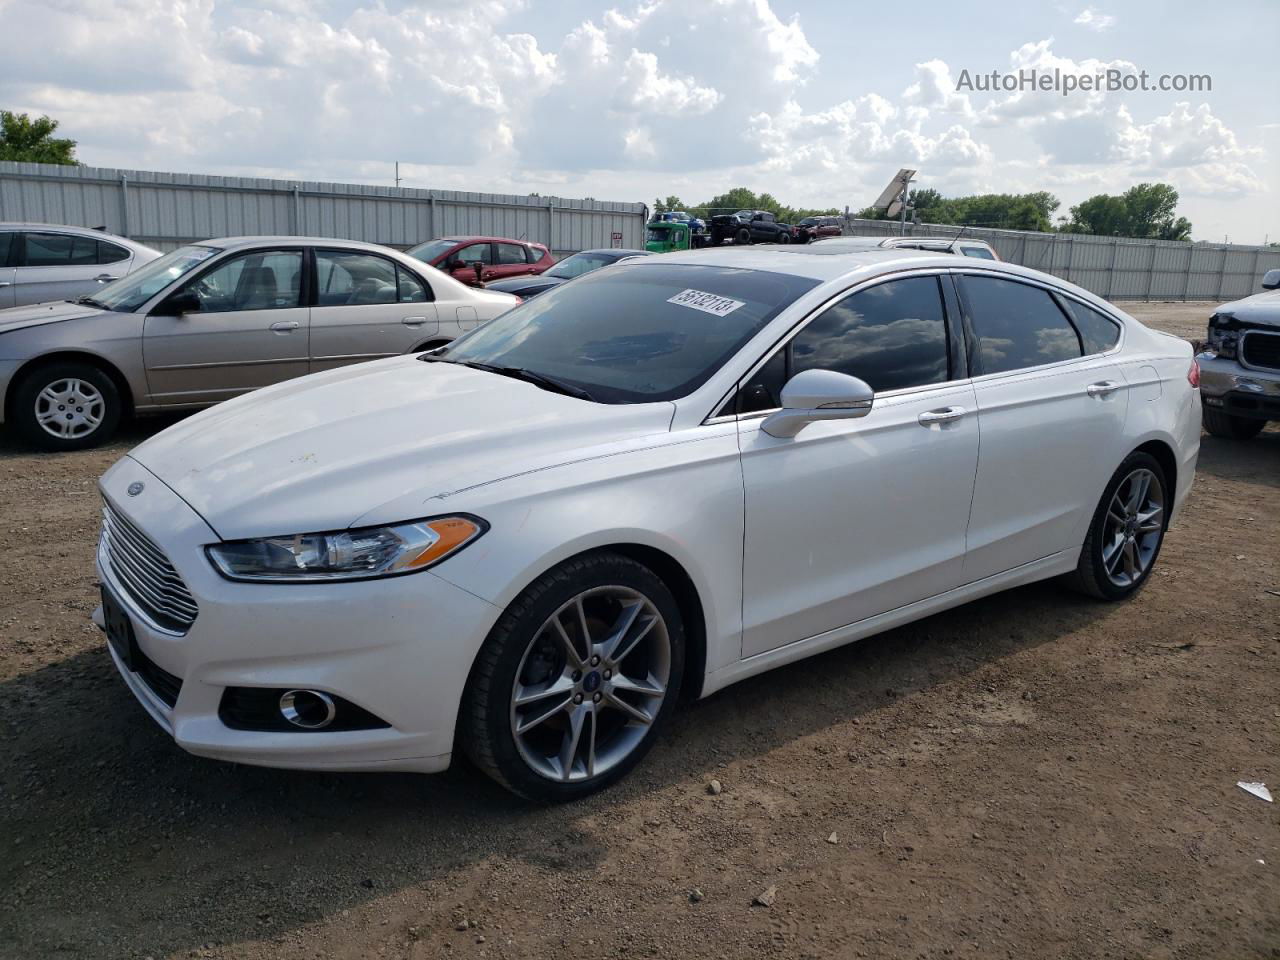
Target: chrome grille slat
145, 573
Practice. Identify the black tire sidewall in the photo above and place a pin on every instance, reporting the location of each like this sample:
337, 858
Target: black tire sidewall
1225, 425
512, 636
742, 237
1092, 565
23, 405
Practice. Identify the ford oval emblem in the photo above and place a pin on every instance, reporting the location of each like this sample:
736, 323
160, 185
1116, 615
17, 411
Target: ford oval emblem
135, 488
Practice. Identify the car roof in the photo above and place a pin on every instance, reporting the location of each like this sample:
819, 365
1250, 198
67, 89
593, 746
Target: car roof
78, 231
481, 239
618, 251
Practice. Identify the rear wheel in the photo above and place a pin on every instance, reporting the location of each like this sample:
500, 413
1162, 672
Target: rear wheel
66, 406
1126, 532
1234, 428
742, 237
784, 238
575, 680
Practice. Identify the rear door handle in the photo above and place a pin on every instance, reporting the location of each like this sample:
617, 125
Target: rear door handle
284, 326
5, 283
413, 321
105, 278
1102, 389
942, 415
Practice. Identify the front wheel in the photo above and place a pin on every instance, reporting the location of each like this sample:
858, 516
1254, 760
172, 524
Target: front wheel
576, 679
1233, 428
784, 238
66, 406
1126, 532
742, 237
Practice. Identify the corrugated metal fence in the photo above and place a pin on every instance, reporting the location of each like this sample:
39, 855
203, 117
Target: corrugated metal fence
1114, 267
166, 210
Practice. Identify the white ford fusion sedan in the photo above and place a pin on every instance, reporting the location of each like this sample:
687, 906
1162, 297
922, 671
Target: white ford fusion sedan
654, 481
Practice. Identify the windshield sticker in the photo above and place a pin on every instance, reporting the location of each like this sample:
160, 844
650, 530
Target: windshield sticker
706, 302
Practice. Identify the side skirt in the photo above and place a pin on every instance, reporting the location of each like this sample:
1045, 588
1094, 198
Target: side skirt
1051, 566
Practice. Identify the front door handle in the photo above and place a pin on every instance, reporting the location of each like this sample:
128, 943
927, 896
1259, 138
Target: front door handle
1103, 388
105, 278
5, 283
942, 415
413, 321
284, 326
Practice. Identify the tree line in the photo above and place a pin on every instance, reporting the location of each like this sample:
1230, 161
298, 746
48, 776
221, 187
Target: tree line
1144, 211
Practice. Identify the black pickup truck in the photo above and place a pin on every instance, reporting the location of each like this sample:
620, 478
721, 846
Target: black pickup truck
748, 226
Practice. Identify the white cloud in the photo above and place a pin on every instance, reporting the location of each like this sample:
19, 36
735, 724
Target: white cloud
1092, 19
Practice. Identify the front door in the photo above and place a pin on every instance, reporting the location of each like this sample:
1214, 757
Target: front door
367, 306
853, 518
463, 262
1052, 421
8, 250
244, 327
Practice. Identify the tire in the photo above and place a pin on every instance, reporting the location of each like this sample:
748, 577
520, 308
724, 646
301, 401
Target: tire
525, 656
742, 237
88, 417
1116, 537
784, 238
1233, 428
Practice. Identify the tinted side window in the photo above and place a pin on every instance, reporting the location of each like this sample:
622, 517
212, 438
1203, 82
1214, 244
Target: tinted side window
763, 390
1099, 333
6, 243
980, 252
59, 250
892, 335
1017, 325
532, 254
509, 253
474, 252
354, 279
111, 252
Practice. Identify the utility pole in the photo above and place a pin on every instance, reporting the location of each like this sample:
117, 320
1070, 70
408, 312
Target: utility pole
397, 174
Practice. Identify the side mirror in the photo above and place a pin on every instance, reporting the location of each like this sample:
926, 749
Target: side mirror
180, 303
818, 395
1271, 280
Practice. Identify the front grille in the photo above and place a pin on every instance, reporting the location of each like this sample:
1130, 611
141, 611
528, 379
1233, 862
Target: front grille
1261, 349
146, 574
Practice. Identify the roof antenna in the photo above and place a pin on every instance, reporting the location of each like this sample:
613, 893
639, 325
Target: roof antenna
956, 238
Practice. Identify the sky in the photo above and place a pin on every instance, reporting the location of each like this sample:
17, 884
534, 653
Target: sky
817, 102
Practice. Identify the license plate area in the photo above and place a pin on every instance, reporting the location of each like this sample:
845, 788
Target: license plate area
119, 629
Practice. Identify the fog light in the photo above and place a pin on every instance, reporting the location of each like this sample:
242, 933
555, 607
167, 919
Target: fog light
309, 709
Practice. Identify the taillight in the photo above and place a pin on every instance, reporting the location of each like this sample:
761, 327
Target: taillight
1193, 374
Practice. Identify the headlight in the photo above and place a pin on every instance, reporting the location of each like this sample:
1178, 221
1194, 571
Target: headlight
346, 554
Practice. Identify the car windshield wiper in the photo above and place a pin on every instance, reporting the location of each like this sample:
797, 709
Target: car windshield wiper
88, 300
553, 384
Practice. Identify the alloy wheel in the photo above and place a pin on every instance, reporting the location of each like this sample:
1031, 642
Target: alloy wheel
69, 408
1133, 527
590, 684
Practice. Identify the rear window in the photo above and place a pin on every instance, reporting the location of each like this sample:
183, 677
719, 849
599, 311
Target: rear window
666, 329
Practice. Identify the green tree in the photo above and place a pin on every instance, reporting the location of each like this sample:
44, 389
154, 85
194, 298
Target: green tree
671, 203
1012, 211
32, 141
1146, 211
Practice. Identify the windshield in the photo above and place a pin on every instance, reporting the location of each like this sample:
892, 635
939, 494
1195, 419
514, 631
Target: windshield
660, 234
578, 264
426, 252
129, 293
636, 334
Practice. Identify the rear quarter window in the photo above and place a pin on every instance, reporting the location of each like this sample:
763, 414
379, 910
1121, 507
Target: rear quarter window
1098, 332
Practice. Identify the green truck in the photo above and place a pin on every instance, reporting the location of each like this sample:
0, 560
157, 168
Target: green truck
664, 236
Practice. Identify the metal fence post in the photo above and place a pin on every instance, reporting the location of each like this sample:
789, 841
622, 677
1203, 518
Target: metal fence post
124, 205
1111, 270
1222, 273
551, 225
1186, 278
431, 215
1151, 271
296, 215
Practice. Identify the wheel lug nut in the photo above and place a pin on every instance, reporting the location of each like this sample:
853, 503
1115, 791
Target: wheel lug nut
608, 674
577, 675
577, 698
595, 661
596, 698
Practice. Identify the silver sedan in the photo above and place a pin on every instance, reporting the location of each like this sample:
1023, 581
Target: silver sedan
45, 261
214, 320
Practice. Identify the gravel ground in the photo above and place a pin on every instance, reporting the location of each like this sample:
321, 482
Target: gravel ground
1034, 774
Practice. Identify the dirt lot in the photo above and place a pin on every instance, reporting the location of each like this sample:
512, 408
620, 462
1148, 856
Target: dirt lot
1034, 774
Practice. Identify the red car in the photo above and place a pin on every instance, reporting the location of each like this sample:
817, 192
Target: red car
499, 257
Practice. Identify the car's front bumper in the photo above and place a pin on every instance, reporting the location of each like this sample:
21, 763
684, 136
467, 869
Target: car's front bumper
400, 648
1241, 391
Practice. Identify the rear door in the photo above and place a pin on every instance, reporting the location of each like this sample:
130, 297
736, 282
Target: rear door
8, 247
248, 328
63, 266
511, 260
1051, 415
853, 518
366, 306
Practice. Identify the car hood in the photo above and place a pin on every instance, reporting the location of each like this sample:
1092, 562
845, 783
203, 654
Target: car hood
325, 451
523, 285
38, 314
1262, 308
